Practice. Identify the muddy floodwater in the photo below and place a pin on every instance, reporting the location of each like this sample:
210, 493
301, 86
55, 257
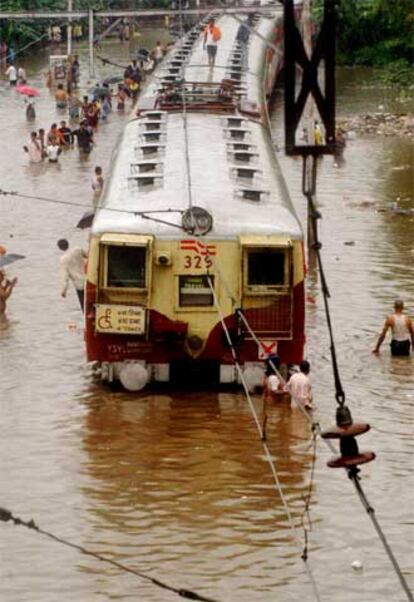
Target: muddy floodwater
175, 484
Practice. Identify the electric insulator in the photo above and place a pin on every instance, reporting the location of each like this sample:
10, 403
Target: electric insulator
346, 431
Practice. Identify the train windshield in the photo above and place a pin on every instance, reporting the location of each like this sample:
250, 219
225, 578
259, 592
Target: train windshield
265, 267
126, 266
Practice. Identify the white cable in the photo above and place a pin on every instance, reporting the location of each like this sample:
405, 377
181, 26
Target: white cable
268, 455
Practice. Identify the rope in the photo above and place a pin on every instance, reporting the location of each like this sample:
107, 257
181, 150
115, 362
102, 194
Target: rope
142, 214
261, 433
6, 516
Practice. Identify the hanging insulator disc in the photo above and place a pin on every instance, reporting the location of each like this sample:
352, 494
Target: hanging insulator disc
352, 430
349, 461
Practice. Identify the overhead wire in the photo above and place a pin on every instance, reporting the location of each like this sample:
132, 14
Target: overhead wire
7, 516
261, 433
143, 214
353, 472
339, 391
340, 396
36, 41
185, 125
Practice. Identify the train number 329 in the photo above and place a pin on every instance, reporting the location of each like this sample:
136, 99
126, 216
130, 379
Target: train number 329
197, 262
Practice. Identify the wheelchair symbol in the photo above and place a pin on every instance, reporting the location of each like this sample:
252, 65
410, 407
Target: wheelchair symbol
104, 322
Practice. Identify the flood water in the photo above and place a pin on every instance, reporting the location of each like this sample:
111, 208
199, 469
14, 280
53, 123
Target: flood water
175, 484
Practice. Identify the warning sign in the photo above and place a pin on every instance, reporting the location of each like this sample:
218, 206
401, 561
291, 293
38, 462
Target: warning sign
265, 348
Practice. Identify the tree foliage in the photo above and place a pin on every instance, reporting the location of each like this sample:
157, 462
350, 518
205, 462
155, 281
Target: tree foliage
378, 33
375, 32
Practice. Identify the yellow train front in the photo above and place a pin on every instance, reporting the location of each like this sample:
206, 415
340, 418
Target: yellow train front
197, 254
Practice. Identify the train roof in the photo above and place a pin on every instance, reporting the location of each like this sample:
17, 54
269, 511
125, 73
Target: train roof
165, 164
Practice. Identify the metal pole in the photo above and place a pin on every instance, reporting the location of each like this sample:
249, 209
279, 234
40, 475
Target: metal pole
309, 118
69, 29
91, 49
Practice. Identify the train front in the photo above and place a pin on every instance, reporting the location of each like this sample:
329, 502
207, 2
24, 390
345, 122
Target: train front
196, 260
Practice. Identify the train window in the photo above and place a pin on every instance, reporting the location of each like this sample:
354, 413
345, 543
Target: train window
266, 267
195, 291
126, 266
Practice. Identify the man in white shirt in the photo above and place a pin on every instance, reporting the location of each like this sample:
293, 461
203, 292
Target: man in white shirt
12, 73
300, 388
72, 265
53, 151
21, 75
34, 148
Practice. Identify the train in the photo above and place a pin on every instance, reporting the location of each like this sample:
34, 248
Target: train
196, 252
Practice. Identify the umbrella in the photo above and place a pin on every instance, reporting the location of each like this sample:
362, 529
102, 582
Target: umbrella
27, 91
86, 220
9, 258
115, 79
99, 91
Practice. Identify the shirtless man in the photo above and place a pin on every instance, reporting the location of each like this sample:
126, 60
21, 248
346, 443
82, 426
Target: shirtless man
6, 288
402, 330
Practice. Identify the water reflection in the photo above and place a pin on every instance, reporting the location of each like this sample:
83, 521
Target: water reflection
188, 449
175, 484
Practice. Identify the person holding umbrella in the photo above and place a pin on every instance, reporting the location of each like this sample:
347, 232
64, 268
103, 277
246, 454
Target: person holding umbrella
30, 109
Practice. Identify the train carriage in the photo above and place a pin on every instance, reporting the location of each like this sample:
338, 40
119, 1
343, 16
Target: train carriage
196, 225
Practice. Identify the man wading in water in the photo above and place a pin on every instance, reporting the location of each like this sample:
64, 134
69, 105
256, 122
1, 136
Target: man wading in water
402, 330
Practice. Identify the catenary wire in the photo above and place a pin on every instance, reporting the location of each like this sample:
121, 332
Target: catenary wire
260, 431
143, 214
6, 516
340, 395
185, 125
309, 191
20, 50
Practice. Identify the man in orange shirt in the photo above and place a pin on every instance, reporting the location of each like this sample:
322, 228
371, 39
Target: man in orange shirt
212, 35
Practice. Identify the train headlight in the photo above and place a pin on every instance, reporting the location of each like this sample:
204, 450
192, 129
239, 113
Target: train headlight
133, 376
163, 258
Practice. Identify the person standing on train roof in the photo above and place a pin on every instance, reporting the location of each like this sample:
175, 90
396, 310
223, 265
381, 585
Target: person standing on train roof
212, 34
402, 331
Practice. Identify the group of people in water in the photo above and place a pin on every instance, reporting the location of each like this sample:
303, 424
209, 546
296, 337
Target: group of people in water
49, 145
